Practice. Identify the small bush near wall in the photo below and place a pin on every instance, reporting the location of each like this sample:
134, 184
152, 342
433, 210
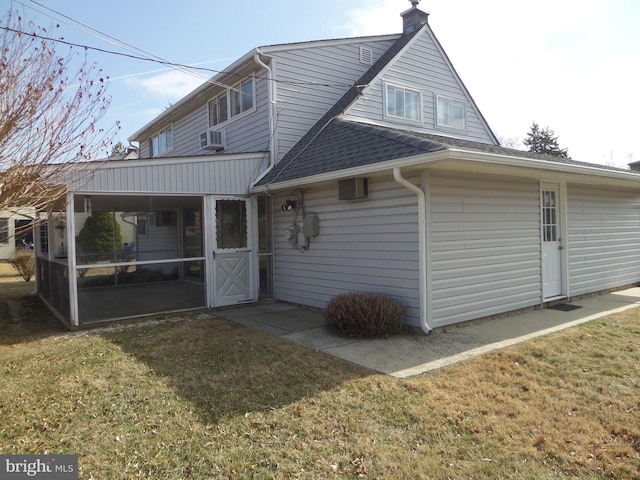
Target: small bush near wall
22, 262
364, 315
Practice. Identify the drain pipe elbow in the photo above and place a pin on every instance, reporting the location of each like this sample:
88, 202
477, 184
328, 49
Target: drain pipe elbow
422, 246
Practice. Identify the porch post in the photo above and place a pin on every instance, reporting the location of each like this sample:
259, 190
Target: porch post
71, 261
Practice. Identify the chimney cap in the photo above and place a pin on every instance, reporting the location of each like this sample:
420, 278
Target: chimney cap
414, 18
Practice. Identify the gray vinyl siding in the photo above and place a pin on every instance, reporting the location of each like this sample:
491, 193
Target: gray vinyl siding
485, 246
200, 175
248, 132
364, 246
604, 238
422, 67
159, 243
332, 68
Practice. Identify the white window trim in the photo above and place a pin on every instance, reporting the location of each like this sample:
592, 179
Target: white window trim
227, 93
157, 134
397, 118
450, 127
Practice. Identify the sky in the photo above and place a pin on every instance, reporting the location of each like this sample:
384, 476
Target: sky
570, 65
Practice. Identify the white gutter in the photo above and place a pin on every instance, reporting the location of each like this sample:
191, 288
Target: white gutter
613, 177
422, 246
422, 160
272, 123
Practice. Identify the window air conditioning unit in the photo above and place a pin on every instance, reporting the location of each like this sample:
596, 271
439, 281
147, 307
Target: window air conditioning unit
353, 188
213, 140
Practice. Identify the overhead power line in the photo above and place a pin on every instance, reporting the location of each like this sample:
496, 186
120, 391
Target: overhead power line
149, 57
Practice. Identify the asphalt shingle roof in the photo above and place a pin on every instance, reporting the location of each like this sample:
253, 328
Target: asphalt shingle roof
343, 144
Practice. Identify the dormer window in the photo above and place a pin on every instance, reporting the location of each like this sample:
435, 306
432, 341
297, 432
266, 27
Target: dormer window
403, 103
240, 98
161, 142
451, 113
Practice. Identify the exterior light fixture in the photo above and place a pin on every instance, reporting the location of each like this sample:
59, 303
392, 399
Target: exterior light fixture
288, 205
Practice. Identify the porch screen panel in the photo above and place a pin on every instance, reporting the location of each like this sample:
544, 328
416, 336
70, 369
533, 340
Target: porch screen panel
138, 256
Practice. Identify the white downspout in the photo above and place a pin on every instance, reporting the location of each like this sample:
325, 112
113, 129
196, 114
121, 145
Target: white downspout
422, 246
272, 114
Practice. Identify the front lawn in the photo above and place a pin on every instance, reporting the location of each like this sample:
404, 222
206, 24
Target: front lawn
197, 397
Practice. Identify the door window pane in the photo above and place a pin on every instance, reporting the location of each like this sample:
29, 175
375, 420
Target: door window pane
231, 223
549, 217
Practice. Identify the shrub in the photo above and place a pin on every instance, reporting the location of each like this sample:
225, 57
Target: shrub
364, 315
100, 237
22, 262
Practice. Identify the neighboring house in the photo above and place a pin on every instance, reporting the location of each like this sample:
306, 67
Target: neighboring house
15, 232
307, 170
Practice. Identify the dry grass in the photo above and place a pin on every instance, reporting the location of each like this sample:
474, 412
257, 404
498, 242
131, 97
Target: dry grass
198, 397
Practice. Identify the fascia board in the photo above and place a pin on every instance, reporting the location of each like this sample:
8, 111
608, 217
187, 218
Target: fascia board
418, 160
595, 170
163, 161
268, 49
443, 158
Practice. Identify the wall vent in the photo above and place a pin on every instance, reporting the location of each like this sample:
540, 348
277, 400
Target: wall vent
366, 56
353, 189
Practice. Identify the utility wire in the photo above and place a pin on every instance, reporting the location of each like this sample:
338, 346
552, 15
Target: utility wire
171, 64
116, 41
150, 57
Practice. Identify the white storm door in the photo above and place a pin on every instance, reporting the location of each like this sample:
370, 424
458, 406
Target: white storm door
551, 242
231, 255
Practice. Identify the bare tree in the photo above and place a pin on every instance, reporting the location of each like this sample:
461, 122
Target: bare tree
510, 142
50, 105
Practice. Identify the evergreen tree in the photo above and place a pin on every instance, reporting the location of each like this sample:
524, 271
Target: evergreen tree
100, 235
118, 149
544, 140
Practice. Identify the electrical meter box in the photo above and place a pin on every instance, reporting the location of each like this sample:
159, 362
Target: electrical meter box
311, 226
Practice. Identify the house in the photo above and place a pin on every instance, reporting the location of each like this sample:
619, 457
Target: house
15, 231
306, 170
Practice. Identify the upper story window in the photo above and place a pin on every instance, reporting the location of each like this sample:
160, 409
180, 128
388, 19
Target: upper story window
402, 102
218, 110
161, 142
451, 113
238, 99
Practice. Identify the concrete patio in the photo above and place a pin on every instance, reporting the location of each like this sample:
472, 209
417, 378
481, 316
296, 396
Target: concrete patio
414, 353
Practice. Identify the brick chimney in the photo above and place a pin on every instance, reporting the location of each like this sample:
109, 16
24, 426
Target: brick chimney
414, 18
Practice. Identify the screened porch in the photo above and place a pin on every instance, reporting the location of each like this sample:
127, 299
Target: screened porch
118, 256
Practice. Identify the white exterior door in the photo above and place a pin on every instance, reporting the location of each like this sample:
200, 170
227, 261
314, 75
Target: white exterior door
551, 241
232, 269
